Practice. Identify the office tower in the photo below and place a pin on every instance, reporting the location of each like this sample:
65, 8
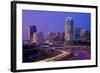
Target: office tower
47, 37
31, 30
77, 34
50, 38
58, 39
34, 38
54, 37
83, 35
88, 36
69, 30
62, 37
40, 37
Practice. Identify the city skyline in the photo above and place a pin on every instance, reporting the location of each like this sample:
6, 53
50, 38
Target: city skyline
51, 36
53, 21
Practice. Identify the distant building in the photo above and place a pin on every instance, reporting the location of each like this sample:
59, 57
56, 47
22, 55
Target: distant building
47, 37
62, 37
35, 38
32, 29
50, 38
83, 35
77, 34
57, 39
40, 37
88, 36
69, 30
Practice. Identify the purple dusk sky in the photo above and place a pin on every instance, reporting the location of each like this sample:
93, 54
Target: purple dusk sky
48, 21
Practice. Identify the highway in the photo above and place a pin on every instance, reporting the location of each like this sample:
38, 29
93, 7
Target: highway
57, 57
62, 54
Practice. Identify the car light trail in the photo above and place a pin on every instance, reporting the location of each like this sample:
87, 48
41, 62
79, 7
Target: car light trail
63, 54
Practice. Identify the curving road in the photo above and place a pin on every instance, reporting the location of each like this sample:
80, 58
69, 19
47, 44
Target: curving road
57, 57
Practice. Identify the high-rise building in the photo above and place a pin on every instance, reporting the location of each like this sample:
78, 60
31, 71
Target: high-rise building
62, 37
47, 37
40, 37
69, 30
50, 38
77, 33
84, 35
57, 37
31, 31
35, 38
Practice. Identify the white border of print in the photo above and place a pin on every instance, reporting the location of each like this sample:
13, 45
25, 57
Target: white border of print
37, 65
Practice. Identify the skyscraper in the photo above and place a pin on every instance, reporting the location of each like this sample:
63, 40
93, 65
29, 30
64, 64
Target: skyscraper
83, 35
62, 37
69, 30
35, 38
50, 38
31, 31
40, 37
